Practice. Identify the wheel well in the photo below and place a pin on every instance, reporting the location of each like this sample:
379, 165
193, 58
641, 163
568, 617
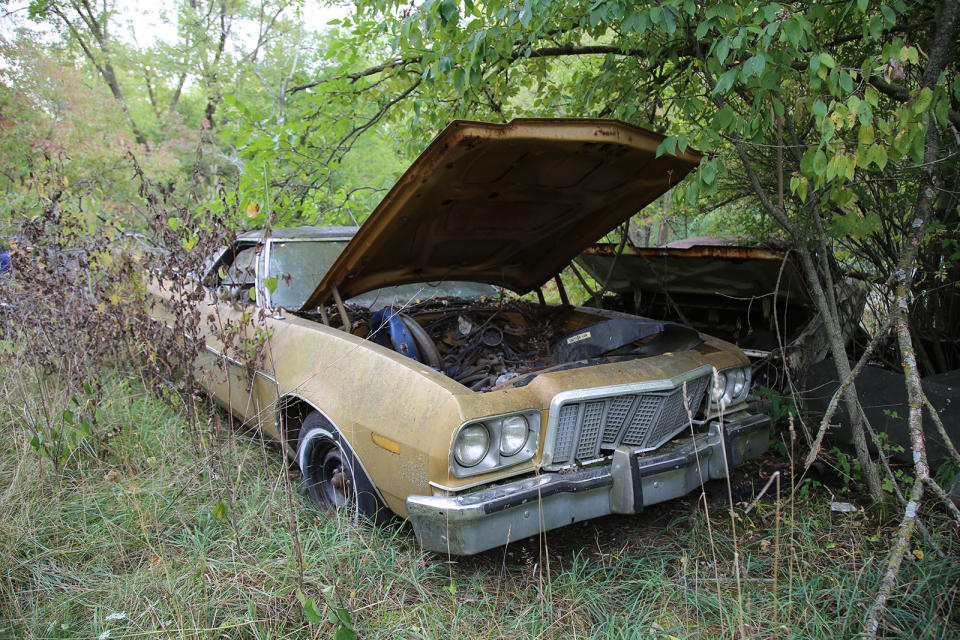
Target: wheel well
293, 411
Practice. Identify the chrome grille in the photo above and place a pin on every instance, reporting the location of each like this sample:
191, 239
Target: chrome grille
646, 413
616, 415
566, 430
586, 427
590, 431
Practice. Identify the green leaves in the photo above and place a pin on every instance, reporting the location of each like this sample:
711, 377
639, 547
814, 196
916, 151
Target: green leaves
798, 187
878, 156
669, 22
753, 66
922, 102
671, 143
312, 611
38, 8
725, 81
840, 166
636, 22
819, 163
722, 50
220, 510
337, 616
340, 619
819, 109
813, 163
708, 173
827, 60
864, 113
793, 30
723, 118
449, 12
888, 16
846, 81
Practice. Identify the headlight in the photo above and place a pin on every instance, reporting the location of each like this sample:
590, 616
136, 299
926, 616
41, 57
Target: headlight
737, 382
718, 386
495, 442
472, 444
513, 435
730, 386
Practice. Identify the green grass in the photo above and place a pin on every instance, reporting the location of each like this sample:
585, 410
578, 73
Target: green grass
190, 531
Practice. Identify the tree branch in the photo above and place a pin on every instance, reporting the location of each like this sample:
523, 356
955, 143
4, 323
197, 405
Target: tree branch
923, 210
834, 401
900, 94
400, 62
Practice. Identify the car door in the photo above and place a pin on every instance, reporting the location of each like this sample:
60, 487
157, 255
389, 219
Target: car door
237, 364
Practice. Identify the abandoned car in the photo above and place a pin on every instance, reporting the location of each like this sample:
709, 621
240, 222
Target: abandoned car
404, 378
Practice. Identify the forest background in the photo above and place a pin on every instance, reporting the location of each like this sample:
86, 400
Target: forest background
830, 128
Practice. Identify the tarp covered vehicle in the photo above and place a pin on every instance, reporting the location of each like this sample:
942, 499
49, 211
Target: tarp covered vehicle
405, 381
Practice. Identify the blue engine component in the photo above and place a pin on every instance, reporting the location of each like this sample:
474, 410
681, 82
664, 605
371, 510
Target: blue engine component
387, 330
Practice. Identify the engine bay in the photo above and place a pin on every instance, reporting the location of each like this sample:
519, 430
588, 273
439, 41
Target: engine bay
492, 344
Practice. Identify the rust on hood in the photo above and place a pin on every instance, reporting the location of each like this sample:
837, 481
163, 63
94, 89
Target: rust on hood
506, 204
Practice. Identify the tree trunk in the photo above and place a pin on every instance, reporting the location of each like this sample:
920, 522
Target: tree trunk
98, 30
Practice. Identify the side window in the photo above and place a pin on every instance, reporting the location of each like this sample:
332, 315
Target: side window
299, 266
239, 278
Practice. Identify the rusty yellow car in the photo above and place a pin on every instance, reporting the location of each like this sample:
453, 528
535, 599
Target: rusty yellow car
404, 373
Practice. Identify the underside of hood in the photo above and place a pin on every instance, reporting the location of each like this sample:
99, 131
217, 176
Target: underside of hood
506, 204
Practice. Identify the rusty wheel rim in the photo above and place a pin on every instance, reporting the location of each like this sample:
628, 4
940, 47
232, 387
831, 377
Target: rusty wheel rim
334, 479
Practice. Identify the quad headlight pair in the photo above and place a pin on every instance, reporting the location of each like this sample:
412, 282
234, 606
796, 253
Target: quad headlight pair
491, 443
730, 386
474, 440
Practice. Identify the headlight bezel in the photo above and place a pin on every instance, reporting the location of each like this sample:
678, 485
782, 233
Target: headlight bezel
495, 459
730, 386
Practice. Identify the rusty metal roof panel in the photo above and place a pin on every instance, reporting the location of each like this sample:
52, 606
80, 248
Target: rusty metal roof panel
733, 252
298, 233
698, 269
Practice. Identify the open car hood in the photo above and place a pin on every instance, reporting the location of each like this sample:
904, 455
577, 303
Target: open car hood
506, 204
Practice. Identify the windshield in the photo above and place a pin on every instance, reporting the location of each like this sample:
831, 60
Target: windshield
402, 294
299, 265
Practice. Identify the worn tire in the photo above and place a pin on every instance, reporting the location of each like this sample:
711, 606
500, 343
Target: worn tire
331, 474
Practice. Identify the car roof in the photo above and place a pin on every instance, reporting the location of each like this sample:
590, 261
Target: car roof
292, 233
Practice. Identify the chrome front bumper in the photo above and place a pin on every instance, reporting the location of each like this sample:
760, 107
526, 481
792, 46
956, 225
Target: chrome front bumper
472, 522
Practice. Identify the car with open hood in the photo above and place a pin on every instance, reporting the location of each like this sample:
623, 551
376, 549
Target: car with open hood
404, 376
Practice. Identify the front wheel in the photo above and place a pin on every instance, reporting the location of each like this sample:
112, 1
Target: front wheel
332, 475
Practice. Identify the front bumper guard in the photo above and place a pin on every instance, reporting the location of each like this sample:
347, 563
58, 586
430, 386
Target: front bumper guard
473, 522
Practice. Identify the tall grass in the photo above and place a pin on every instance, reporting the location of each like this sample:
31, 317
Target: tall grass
170, 529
